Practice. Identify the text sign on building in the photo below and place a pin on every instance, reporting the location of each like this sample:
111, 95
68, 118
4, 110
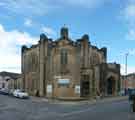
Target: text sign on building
57, 77
63, 81
77, 89
49, 88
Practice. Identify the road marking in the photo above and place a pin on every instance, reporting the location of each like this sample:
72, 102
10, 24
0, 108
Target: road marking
76, 112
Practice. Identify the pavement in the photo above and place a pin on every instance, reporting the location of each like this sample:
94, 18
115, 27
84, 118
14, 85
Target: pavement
81, 101
117, 108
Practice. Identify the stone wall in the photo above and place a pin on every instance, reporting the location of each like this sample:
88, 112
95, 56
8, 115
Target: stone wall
30, 69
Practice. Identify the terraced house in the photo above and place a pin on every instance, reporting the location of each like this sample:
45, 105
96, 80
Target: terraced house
66, 68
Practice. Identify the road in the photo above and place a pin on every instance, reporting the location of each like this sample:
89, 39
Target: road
18, 109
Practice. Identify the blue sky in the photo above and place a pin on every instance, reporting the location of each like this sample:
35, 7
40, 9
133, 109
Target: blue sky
109, 23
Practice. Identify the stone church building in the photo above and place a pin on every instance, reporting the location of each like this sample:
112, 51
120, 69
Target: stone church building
67, 68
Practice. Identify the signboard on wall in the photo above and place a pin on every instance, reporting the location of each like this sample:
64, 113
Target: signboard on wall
49, 88
77, 89
57, 77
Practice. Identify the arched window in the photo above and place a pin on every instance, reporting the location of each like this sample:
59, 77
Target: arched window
64, 56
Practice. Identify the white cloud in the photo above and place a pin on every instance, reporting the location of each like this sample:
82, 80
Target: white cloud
10, 48
130, 11
129, 17
130, 52
10, 62
41, 7
26, 7
130, 69
49, 31
86, 3
28, 22
131, 34
14, 37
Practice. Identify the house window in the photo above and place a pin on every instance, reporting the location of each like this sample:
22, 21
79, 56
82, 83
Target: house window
64, 56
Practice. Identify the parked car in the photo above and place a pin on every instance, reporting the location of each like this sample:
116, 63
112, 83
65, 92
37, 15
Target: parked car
122, 93
11, 91
4, 91
20, 93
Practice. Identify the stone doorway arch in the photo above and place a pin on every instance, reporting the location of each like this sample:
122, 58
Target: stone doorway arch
85, 86
111, 85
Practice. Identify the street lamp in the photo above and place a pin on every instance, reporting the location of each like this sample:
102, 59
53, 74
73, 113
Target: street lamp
126, 55
126, 63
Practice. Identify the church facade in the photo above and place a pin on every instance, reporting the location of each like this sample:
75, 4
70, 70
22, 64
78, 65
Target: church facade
66, 68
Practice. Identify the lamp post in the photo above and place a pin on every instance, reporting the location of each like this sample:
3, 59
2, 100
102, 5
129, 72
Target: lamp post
126, 55
126, 64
